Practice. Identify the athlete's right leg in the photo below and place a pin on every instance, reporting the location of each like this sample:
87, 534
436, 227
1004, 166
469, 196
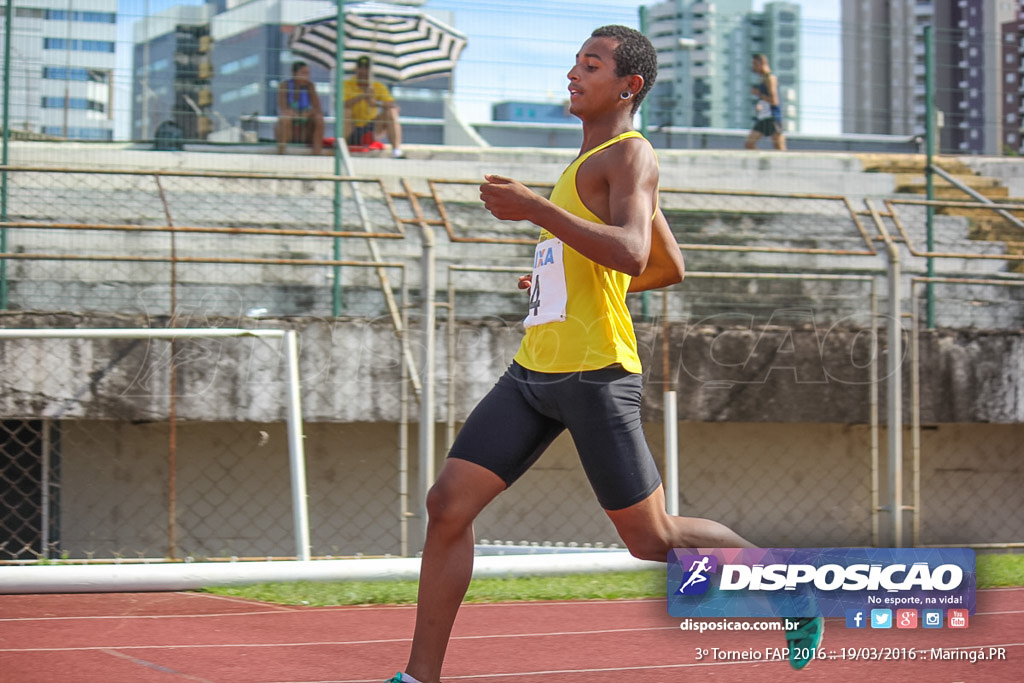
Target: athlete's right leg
283, 133
462, 490
501, 439
752, 139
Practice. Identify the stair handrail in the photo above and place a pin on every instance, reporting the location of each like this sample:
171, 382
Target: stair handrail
975, 194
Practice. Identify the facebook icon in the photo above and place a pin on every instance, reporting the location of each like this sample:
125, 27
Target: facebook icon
855, 618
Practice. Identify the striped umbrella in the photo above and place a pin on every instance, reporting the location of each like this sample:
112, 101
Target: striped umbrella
405, 44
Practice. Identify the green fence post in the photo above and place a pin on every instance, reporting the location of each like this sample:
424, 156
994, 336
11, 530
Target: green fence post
645, 297
8, 15
339, 110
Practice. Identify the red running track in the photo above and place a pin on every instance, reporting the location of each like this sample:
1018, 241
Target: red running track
138, 638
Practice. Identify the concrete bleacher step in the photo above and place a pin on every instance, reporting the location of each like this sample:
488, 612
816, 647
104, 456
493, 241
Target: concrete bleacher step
910, 163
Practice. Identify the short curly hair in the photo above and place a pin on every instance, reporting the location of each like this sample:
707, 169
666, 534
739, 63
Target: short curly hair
633, 55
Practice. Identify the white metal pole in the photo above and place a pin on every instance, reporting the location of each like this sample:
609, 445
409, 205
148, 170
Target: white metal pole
296, 450
895, 398
671, 454
426, 440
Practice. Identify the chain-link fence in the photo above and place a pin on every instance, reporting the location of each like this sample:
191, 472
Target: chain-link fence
773, 345
963, 485
212, 74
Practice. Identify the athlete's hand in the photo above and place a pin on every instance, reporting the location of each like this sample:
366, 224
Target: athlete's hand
525, 281
506, 199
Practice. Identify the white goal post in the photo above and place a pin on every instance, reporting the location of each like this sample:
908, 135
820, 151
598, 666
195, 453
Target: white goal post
289, 338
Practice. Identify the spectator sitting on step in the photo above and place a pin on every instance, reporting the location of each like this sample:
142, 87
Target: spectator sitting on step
300, 118
370, 108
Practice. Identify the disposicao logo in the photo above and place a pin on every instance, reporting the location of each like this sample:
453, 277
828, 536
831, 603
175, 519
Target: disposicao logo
698, 568
831, 582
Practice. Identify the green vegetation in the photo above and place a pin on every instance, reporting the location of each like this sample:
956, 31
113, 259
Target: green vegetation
611, 586
999, 571
993, 571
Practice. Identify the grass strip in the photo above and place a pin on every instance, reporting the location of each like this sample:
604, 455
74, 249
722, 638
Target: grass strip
994, 571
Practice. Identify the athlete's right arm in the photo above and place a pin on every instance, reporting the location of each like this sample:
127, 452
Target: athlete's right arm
282, 100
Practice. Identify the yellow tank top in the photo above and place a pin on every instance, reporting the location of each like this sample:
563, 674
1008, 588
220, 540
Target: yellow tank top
596, 329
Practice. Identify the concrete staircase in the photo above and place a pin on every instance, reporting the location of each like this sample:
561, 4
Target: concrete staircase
983, 224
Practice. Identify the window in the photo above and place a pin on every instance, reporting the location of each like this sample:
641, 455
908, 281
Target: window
244, 91
59, 73
91, 17
97, 46
73, 103
78, 45
80, 133
240, 64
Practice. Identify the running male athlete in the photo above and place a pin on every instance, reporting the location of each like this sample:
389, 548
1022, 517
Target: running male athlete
602, 235
767, 110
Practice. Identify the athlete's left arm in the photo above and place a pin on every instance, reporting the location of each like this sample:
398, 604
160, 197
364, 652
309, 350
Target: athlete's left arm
665, 265
314, 100
773, 90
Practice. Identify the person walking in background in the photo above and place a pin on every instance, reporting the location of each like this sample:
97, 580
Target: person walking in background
370, 109
577, 368
767, 111
300, 118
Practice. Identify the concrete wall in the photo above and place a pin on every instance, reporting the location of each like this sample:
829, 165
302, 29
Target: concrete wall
729, 369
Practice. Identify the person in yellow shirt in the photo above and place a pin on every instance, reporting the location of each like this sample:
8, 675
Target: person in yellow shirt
370, 108
577, 369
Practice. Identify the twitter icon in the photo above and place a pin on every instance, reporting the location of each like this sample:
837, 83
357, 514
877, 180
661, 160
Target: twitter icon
881, 618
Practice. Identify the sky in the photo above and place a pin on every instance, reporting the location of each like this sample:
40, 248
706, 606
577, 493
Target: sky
522, 49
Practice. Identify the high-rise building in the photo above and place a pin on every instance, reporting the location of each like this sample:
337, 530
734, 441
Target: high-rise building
62, 67
1013, 85
171, 72
884, 69
704, 58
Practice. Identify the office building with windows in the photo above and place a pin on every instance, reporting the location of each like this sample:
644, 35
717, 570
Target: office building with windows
171, 72
1013, 85
704, 57
532, 112
884, 69
62, 67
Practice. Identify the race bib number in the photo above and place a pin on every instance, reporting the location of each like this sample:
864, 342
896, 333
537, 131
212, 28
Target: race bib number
763, 109
548, 295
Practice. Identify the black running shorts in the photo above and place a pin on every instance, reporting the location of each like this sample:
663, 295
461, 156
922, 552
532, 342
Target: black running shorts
519, 418
768, 127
